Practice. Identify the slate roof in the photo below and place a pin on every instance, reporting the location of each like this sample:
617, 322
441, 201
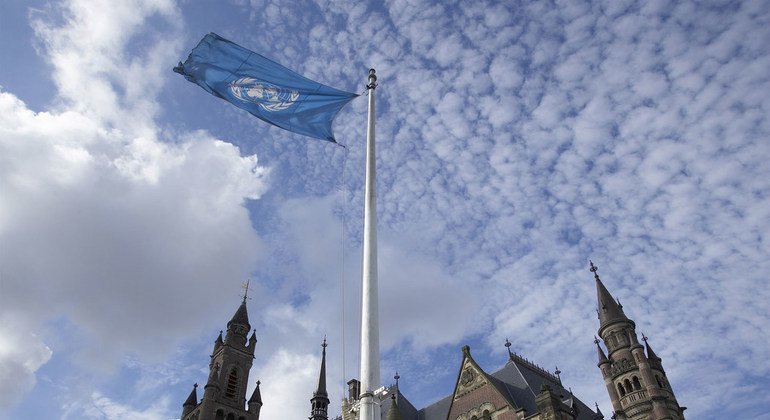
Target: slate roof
519, 381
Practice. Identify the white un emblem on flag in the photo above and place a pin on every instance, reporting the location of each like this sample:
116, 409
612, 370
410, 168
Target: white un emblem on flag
269, 97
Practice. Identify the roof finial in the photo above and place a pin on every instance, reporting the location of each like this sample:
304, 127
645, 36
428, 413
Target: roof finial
557, 372
396, 377
508, 346
644, 338
324, 345
245, 288
594, 269
596, 340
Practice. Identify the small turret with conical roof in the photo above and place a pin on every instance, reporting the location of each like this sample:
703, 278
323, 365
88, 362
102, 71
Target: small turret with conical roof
255, 402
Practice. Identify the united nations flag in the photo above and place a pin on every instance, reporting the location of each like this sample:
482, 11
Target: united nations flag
264, 88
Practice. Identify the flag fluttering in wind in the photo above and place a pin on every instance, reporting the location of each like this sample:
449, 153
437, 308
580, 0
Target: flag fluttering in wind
264, 88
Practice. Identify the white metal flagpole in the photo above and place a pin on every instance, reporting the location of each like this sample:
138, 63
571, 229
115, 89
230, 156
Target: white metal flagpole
370, 332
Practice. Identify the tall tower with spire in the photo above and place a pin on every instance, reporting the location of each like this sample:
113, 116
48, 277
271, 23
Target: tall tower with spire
635, 379
319, 404
224, 395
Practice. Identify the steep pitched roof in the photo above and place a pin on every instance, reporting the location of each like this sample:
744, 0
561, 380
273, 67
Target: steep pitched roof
192, 399
519, 381
241, 316
609, 310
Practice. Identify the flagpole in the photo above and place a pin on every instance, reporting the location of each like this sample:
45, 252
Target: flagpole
370, 334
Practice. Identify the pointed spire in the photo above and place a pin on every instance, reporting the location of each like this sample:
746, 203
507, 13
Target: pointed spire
321, 390
192, 400
256, 396
241, 317
598, 412
602, 357
393, 413
609, 310
650, 354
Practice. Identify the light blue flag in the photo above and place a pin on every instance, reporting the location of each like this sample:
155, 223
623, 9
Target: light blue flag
263, 87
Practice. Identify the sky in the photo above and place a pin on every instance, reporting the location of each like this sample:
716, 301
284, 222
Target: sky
516, 141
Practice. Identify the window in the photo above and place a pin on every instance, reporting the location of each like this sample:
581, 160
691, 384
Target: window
621, 390
637, 384
232, 384
627, 384
486, 415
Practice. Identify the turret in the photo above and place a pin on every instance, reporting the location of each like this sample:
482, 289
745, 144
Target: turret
255, 402
629, 374
190, 402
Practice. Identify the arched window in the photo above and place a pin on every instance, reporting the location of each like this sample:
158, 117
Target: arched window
621, 390
220, 415
627, 383
231, 416
232, 384
637, 384
486, 415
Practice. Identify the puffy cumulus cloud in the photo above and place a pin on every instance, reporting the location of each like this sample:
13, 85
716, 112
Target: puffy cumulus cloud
105, 229
288, 380
86, 43
21, 355
105, 221
102, 407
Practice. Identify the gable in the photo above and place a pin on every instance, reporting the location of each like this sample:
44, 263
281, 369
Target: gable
476, 393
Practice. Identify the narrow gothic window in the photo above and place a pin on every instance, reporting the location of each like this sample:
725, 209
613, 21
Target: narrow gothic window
220, 415
621, 390
486, 415
232, 384
628, 385
637, 384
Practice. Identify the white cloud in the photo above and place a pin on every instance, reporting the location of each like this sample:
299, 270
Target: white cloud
106, 222
21, 355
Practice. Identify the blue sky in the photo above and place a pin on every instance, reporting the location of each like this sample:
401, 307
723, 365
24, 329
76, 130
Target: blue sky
516, 140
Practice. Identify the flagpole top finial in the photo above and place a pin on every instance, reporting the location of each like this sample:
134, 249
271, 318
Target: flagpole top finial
372, 80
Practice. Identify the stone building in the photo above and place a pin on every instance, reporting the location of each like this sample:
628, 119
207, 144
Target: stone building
224, 395
520, 390
633, 373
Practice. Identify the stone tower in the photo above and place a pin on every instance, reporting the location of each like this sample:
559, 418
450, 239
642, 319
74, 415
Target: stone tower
319, 404
635, 380
224, 395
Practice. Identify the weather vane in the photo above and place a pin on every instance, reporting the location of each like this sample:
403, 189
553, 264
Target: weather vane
594, 269
245, 288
